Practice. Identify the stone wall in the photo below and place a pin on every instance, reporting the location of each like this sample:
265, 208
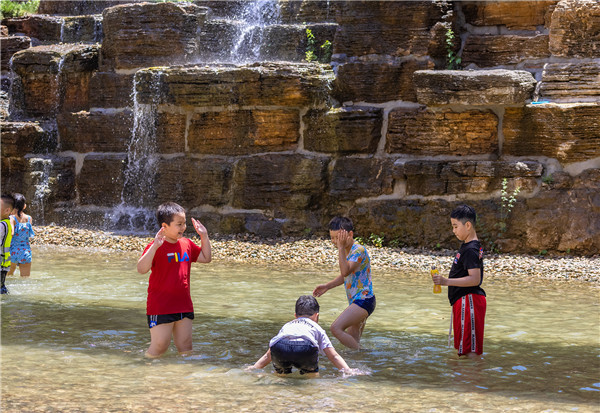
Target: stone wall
100, 133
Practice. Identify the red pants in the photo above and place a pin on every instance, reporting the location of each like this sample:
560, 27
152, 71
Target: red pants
468, 319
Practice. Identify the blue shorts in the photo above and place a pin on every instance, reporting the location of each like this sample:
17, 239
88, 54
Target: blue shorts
302, 354
367, 304
154, 320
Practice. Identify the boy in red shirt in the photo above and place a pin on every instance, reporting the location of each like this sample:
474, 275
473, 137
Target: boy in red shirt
169, 307
466, 296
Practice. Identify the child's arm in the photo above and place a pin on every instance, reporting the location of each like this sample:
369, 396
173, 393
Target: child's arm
471, 280
145, 262
336, 359
346, 267
205, 254
263, 361
323, 288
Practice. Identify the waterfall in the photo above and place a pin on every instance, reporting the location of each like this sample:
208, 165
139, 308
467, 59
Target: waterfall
255, 16
40, 182
136, 210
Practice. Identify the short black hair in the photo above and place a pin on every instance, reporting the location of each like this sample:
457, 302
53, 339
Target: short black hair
306, 305
338, 223
19, 204
8, 199
167, 211
464, 213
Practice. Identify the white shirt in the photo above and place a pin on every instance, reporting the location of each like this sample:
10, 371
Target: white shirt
305, 328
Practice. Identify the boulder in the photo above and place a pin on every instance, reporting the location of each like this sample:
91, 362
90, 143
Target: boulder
40, 28
244, 131
82, 29
53, 78
21, 138
278, 183
110, 90
150, 34
575, 29
84, 132
515, 15
266, 84
77, 7
101, 189
474, 87
309, 11
350, 129
424, 132
428, 178
9, 45
570, 82
402, 28
194, 182
504, 50
170, 134
566, 132
377, 81
354, 178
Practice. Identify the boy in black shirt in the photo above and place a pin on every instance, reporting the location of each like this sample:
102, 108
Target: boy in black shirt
466, 296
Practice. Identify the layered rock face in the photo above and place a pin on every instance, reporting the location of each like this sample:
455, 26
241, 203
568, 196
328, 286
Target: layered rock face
212, 105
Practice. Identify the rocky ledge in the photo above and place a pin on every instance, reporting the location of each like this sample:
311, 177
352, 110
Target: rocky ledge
319, 252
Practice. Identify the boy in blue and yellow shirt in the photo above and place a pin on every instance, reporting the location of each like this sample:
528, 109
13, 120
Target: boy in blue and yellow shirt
7, 203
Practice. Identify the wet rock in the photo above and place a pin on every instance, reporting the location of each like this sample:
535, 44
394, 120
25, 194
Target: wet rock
519, 15
474, 87
150, 34
289, 42
82, 29
348, 129
377, 81
101, 189
570, 82
503, 50
95, 131
20, 138
110, 90
40, 28
566, 132
9, 45
425, 132
575, 29
77, 7
354, 178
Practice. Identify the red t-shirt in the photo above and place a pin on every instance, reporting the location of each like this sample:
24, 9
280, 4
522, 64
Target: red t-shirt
169, 286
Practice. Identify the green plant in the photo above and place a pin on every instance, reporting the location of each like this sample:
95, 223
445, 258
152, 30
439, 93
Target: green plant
543, 253
507, 202
321, 54
452, 59
396, 243
9, 8
376, 240
548, 179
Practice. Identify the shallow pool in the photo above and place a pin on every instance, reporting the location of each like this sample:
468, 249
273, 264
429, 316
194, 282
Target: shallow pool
74, 335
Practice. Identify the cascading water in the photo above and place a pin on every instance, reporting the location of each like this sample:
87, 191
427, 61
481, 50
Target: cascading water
41, 169
136, 210
255, 16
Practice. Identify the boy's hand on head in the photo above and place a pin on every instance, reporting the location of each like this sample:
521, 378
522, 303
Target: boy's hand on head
342, 238
200, 229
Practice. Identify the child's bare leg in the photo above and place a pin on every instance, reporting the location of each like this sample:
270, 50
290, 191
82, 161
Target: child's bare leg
351, 316
25, 269
357, 330
13, 268
160, 338
182, 335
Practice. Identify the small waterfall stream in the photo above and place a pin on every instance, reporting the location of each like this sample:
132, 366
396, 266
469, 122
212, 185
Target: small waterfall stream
255, 16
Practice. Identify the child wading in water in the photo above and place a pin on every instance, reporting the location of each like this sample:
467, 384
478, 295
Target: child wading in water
355, 273
299, 342
20, 250
169, 307
466, 296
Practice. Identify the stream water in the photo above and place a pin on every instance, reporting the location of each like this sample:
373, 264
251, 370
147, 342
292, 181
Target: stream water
74, 335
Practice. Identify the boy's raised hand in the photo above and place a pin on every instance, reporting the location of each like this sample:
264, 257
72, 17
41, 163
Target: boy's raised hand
342, 239
200, 229
160, 238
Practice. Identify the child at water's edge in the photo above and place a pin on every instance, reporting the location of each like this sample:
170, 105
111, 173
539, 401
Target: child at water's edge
169, 307
299, 342
7, 203
466, 296
355, 273
20, 250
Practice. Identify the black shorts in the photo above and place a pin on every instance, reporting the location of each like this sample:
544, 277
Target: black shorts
302, 354
368, 304
154, 320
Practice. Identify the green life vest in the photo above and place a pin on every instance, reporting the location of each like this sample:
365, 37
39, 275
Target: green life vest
5, 244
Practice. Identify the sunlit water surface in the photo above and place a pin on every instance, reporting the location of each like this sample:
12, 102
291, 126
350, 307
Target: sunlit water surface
74, 335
